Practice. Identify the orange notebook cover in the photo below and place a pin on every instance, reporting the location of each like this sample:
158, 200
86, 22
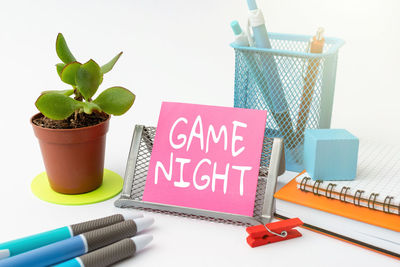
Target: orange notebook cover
291, 193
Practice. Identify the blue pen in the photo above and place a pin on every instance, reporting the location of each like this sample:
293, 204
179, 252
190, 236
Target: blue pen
77, 245
24, 244
273, 91
241, 39
110, 254
257, 23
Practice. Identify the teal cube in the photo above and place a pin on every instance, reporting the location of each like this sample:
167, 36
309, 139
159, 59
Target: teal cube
330, 154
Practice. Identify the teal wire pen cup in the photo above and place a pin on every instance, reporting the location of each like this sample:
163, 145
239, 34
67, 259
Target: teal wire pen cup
255, 87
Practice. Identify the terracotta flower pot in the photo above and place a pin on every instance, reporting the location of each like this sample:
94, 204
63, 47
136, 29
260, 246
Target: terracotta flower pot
73, 158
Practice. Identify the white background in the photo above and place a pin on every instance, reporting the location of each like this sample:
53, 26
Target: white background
179, 51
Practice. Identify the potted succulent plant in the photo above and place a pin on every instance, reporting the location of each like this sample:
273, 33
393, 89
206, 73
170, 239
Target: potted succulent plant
72, 124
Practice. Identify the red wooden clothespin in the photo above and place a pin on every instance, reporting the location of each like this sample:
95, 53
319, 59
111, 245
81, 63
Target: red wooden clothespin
273, 232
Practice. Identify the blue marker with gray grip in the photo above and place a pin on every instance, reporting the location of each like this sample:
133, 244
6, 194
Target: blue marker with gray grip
24, 244
271, 85
77, 245
110, 254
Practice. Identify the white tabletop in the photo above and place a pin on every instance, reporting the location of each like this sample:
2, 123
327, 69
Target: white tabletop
179, 51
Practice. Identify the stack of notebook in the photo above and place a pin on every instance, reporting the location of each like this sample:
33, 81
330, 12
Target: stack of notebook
365, 211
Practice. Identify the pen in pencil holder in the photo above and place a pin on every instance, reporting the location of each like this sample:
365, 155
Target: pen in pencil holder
266, 75
316, 46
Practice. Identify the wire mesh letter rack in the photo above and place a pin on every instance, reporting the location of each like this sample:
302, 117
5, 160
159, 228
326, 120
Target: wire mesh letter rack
272, 164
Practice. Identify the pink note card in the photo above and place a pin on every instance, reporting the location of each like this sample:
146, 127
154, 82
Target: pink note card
206, 157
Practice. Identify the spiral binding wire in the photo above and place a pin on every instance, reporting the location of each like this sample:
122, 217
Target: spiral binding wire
331, 186
316, 186
398, 208
304, 183
373, 195
388, 199
359, 193
343, 195
344, 189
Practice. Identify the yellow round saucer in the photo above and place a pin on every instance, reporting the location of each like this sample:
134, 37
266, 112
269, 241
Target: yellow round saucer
112, 185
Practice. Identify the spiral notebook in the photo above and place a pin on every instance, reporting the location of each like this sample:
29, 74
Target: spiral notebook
371, 229
377, 185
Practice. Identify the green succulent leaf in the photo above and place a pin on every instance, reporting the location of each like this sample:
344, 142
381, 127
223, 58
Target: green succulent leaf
88, 79
115, 100
57, 106
62, 92
60, 67
63, 51
107, 67
68, 73
101, 78
88, 107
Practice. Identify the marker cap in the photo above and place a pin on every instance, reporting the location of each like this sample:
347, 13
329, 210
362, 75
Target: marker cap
252, 4
141, 241
236, 27
143, 223
4, 253
131, 215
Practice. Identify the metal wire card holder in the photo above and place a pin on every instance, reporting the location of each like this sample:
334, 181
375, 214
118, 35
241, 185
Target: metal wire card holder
272, 165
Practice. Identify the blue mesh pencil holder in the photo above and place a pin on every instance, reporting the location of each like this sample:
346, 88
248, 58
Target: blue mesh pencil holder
294, 86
